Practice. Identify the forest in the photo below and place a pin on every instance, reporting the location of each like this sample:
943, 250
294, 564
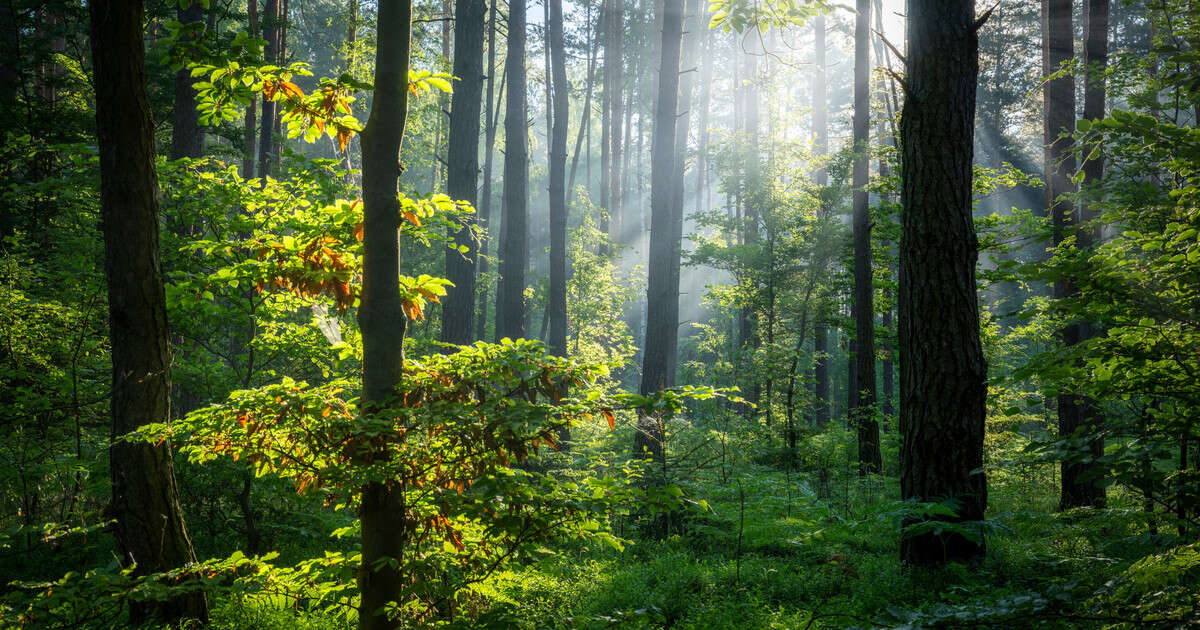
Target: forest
586, 314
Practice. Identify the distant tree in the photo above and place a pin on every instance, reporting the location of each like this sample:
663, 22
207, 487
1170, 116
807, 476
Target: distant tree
514, 231
821, 179
862, 382
150, 529
943, 374
490, 116
187, 139
462, 166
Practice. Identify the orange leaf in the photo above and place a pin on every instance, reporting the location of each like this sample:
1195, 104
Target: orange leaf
343, 139
612, 420
327, 411
412, 218
242, 420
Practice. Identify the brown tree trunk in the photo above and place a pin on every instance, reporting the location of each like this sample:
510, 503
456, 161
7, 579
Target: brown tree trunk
150, 528
266, 135
662, 290
614, 81
462, 166
943, 374
862, 394
490, 116
514, 233
380, 315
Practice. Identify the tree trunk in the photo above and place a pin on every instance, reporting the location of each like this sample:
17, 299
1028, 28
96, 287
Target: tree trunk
249, 128
514, 246
150, 528
187, 140
585, 115
1078, 415
662, 290
380, 315
614, 81
943, 374
862, 395
821, 149
462, 166
489, 139
266, 135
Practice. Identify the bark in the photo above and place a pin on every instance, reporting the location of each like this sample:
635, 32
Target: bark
662, 291
150, 528
489, 139
266, 135
614, 81
1078, 415
687, 85
251, 121
943, 374
558, 192
585, 115
462, 166
514, 245
821, 149
187, 140
862, 392
380, 314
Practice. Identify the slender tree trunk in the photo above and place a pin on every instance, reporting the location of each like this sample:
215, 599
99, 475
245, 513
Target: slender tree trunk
613, 68
821, 149
514, 246
558, 193
662, 291
585, 116
862, 395
150, 528
687, 85
485, 201
462, 166
943, 374
381, 316
266, 137
249, 128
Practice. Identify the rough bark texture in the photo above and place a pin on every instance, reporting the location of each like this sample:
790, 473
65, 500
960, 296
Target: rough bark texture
821, 150
862, 394
662, 290
186, 138
943, 373
558, 184
380, 315
514, 233
462, 166
150, 529
1077, 414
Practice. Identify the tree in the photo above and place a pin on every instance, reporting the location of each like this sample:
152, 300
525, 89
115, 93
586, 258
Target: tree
514, 229
862, 386
381, 315
558, 191
266, 136
150, 529
462, 166
821, 178
1078, 416
489, 152
187, 140
662, 290
943, 375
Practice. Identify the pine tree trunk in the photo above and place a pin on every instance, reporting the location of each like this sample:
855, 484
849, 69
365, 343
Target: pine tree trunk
380, 315
862, 393
614, 84
266, 135
250, 126
662, 290
150, 528
462, 166
943, 374
514, 245
187, 140
491, 113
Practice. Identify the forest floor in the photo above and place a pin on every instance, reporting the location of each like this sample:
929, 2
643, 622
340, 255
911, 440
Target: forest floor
769, 553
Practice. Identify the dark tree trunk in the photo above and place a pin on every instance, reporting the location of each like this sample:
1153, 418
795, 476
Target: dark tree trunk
150, 529
485, 196
1078, 415
462, 166
683, 118
585, 115
614, 81
249, 129
558, 192
266, 135
186, 138
380, 315
662, 290
514, 234
821, 149
862, 395
943, 374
